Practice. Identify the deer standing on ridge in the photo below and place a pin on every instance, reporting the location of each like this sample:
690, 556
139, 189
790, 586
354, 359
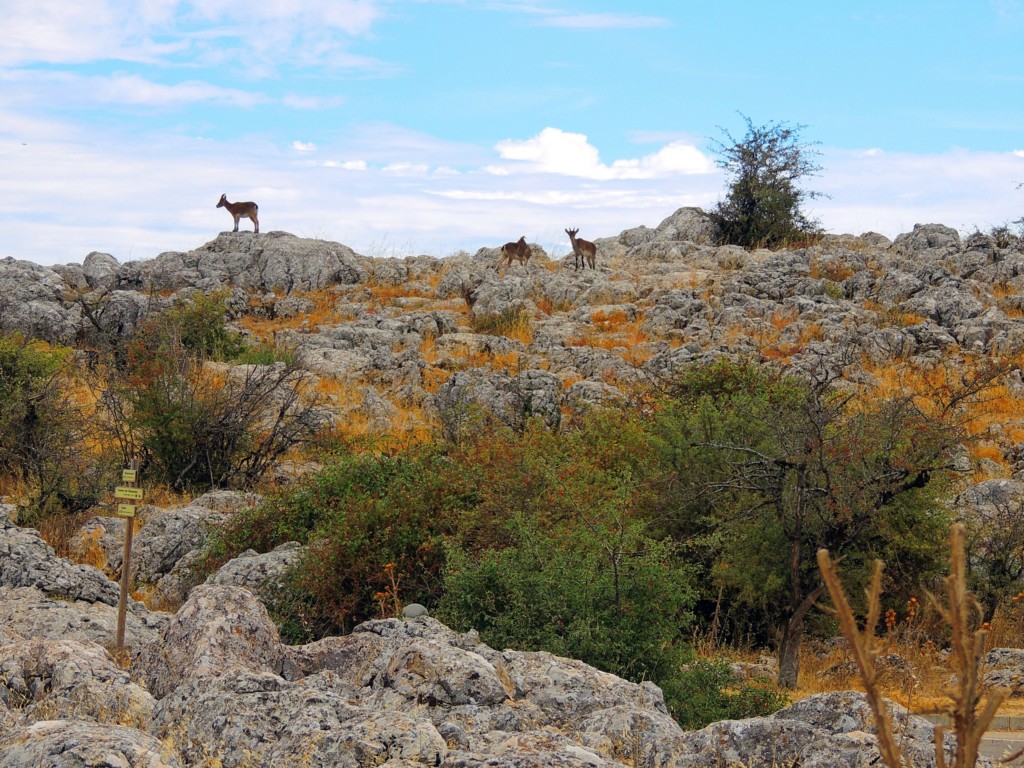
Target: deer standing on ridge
237, 210
518, 251
583, 250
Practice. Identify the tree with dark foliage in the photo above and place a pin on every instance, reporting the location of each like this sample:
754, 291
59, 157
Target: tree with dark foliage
763, 208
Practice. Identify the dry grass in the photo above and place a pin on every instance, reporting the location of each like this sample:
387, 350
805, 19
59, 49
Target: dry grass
322, 313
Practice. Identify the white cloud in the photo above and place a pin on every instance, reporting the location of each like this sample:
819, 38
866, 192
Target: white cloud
347, 165
42, 87
132, 89
300, 146
262, 36
571, 154
406, 169
312, 102
603, 21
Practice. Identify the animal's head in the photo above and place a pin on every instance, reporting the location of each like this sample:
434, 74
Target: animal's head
572, 232
223, 201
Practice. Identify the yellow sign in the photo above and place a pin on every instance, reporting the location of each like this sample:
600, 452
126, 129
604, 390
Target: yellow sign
128, 476
135, 494
126, 510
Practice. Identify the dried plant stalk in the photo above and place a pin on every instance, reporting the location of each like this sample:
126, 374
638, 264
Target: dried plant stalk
961, 607
969, 724
866, 648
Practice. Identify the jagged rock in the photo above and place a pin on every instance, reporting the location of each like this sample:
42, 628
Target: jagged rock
267, 262
1004, 667
70, 680
32, 302
100, 271
28, 561
72, 744
927, 236
219, 629
510, 399
243, 717
259, 572
32, 613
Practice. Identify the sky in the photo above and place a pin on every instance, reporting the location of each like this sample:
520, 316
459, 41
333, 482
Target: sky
401, 127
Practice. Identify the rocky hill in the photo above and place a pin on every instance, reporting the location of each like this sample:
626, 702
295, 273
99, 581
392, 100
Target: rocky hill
393, 345
395, 340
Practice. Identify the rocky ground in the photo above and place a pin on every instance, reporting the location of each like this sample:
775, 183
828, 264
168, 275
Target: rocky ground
212, 685
393, 342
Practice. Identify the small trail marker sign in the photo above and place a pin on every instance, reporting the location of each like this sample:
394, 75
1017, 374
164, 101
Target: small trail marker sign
127, 491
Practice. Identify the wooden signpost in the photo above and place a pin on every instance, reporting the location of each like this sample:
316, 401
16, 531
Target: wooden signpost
130, 493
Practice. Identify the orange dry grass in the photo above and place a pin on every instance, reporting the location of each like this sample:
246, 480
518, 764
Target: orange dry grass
339, 394
1004, 290
323, 313
834, 272
993, 418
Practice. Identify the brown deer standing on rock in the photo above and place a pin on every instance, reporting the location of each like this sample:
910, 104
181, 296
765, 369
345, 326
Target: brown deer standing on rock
237, 210
583, 250
519, 251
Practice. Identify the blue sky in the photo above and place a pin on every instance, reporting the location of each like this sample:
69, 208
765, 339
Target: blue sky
428, 126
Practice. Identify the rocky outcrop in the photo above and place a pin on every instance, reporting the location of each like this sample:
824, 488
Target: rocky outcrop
63, 743
216, 686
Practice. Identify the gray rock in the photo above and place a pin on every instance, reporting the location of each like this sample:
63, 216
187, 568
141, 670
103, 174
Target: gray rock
1004, 667
928, 236
100, 271
260, 572
32, 613
72, 744
218, 630
70, 680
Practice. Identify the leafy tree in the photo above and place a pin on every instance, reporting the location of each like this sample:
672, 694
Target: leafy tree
767, 468
44, 429
764, 204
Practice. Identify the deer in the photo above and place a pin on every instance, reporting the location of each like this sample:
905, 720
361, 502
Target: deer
583, 250
237, 210
518, 251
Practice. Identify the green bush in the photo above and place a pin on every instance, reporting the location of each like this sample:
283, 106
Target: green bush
605, 594
44, 429
707, 692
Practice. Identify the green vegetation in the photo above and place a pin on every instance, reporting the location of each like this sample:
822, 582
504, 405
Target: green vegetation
43, 428
615, 538
764, 205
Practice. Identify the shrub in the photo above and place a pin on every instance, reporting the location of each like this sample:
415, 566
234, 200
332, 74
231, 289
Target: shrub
707, 692
370, 523
763, 208
594, 587
197, 424
45, 430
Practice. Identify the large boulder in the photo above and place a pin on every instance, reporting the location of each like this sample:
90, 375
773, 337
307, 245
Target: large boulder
218, 630
275, 261
74, 744
70, 679
46, 596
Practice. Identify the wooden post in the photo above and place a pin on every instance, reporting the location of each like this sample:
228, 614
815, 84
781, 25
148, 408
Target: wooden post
128, 490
